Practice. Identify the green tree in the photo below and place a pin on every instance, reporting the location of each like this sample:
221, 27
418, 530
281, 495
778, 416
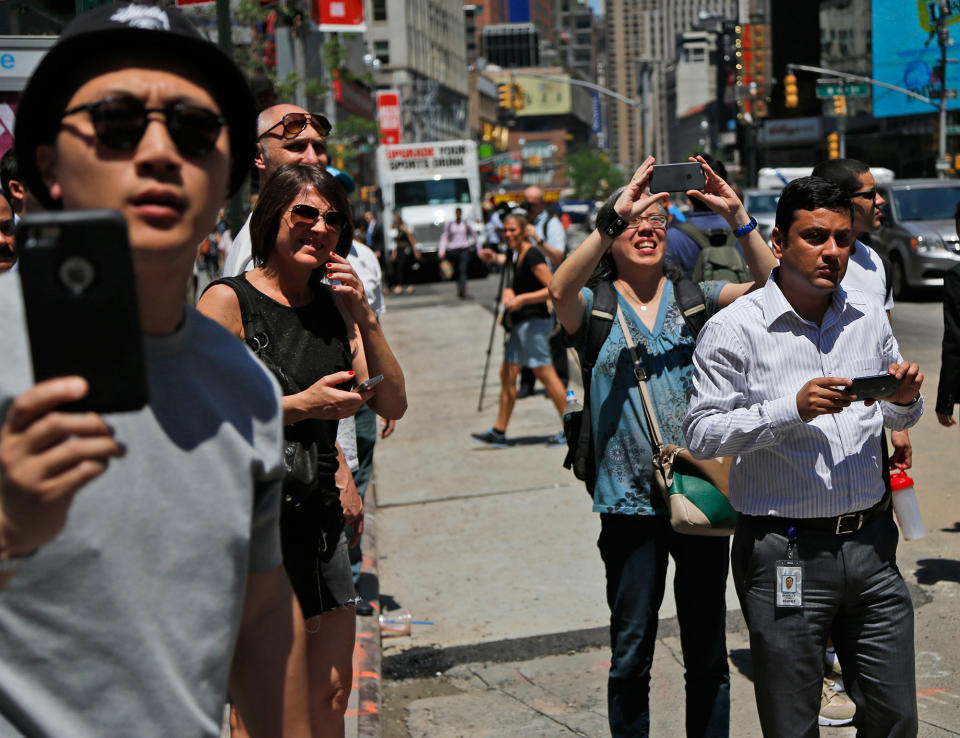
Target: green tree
592, 175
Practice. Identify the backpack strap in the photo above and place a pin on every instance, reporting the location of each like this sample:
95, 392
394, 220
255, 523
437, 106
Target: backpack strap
689, 229
601, 319
692, 304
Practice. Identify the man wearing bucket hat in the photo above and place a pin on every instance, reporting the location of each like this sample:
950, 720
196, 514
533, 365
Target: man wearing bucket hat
139, 552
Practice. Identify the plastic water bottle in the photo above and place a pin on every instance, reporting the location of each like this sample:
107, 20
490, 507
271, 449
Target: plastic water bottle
905, 505
573, 406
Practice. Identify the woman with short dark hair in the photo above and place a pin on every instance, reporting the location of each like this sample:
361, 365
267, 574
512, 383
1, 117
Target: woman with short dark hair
320, 340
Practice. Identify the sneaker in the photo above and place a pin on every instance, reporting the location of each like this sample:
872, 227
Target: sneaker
835, 707
364, 608
560, 439
492, 436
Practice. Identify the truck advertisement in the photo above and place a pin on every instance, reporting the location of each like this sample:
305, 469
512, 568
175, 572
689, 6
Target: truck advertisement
425, 183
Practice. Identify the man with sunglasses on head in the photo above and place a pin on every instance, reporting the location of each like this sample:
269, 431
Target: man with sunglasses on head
139, 551
286, 134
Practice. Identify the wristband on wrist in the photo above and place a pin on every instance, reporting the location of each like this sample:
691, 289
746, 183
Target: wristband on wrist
746, 228
611, 224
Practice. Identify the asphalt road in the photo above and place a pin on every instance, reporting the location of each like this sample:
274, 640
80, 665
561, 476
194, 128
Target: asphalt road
495, 549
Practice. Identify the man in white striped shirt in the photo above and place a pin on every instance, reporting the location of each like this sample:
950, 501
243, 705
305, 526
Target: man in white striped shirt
768, 390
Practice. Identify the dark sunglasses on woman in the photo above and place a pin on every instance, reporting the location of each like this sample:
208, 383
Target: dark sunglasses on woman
308, 214
294, 124
119, 123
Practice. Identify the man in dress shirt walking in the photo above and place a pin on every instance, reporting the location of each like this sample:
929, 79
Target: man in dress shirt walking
457, 237
806, 476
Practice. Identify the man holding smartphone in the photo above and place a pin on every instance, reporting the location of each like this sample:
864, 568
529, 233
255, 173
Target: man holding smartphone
806, 476
139, 551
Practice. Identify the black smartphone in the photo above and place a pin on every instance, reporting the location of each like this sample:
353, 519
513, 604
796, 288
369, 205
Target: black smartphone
370, 383
677, 177
80, 301
873, 387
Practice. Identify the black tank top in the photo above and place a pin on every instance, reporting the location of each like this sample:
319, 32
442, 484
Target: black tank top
308, 342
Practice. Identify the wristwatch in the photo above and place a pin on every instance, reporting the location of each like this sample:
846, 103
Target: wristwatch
611, 223
746, 228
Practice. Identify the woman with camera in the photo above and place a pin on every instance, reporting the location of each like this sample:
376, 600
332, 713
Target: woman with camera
527, 319
627, 251
321, 341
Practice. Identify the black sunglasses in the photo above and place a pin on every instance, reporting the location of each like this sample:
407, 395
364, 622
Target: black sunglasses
120, 122
303, 213
866, 194
295, 123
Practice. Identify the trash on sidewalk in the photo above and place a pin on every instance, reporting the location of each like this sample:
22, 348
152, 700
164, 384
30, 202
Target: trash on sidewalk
398, 622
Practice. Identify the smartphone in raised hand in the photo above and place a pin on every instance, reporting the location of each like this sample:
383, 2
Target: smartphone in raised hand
677, 177
80, 300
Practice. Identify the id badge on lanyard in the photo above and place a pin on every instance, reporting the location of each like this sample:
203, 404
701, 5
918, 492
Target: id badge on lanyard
789, 584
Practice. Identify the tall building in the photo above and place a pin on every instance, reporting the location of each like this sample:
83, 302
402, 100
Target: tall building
422, 48
642, 55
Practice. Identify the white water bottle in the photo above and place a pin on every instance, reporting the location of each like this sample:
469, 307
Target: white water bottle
573, 406
905, 505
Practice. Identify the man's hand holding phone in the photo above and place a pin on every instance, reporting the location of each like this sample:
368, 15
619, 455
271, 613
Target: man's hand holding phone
46, 457
911, 379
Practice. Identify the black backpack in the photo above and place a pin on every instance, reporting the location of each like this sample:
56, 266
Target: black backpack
719, 256
576, 426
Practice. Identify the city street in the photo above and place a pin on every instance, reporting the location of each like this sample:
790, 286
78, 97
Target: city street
495, 549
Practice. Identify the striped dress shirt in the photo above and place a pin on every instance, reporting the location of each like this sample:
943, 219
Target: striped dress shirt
751, 360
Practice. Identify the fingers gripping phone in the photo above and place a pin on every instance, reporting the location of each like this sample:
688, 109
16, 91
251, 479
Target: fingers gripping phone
677, 177
370, 383
873, 387
80, 301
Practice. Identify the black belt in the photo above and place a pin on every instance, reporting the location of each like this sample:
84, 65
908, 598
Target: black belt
838, 524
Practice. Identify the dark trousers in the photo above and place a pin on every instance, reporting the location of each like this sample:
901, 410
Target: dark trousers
851, 590
461, 261
634, 550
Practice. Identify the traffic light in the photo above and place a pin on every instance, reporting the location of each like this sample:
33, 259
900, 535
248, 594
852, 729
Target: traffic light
833, 145
839, 105
517, 97
790, 94
506, 96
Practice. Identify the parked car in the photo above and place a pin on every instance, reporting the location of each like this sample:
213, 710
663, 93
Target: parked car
918, 234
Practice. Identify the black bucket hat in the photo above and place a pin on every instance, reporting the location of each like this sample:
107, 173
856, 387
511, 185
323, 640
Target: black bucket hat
113, 35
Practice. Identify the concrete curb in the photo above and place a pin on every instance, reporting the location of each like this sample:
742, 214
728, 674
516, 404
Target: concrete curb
363, 711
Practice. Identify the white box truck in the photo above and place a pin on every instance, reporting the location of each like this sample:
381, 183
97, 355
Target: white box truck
425, 183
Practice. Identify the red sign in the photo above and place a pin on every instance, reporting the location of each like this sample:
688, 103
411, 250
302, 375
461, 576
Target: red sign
185, 3
388, 116
338, 15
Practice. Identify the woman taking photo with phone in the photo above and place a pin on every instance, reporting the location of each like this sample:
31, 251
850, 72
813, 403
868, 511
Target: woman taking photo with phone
320, 341
528, 322
627, 250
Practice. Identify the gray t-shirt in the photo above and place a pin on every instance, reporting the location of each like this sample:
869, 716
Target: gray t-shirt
125, 624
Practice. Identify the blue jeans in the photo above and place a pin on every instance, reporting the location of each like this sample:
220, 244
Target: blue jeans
366, 421
634, 549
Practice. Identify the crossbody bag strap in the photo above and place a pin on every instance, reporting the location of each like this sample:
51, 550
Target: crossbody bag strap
656, 439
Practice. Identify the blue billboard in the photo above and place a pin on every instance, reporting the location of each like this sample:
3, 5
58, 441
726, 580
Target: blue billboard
906, 53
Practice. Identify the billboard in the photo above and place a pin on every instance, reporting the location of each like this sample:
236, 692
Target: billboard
905, 54
332, 16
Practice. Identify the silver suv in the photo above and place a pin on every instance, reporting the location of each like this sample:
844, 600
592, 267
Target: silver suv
918, 234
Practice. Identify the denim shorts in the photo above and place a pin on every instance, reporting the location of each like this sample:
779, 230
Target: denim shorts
529, 343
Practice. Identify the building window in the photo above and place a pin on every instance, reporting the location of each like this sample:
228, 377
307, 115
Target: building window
379, 10
381, 50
